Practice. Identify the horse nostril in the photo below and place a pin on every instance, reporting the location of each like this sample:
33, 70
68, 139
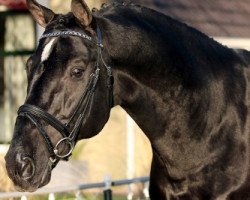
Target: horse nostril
26, 167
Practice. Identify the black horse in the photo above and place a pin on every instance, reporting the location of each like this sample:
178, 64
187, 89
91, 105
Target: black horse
187, 92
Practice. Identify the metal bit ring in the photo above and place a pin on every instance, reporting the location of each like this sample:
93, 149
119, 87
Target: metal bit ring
67, 141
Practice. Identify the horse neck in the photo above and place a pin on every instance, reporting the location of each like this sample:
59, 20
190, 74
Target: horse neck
137, 75
141, 102
155, 67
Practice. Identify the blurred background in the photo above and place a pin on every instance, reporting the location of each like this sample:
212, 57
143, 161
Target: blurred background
121, 150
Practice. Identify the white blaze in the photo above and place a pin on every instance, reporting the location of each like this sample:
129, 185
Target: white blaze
47, 50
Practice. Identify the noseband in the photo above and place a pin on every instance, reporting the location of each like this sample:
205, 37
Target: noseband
82, 110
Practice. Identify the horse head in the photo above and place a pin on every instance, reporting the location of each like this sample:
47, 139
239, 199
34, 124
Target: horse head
67, 79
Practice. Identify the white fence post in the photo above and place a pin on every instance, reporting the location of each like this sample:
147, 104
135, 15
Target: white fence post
79, 196
23, 198
51, 196
145, 190
130, 154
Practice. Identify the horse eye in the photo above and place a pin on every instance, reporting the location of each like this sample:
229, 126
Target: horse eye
76, 73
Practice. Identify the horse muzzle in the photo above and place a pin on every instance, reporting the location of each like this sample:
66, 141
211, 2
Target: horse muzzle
22, 171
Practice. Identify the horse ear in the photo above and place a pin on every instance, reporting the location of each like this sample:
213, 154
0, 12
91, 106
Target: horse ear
41, 14
82, 12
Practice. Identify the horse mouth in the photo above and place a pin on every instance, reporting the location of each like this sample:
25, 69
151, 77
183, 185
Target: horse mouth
32, 185
38, 180
46, 176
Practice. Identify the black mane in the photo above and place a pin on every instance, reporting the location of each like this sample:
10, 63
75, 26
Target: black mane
172, 46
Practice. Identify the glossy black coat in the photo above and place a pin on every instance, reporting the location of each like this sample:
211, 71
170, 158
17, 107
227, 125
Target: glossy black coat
187, 92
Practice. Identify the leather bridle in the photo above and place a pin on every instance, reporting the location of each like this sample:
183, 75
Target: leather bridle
82, 110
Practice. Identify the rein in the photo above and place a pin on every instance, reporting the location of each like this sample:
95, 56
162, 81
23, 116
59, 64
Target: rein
82, 110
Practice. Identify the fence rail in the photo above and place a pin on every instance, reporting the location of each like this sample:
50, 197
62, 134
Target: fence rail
16, 53
105, 185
